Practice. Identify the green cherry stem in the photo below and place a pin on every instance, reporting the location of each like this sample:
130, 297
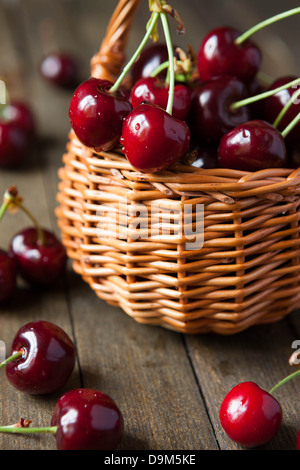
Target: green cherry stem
11, 358
15, 429
283, 381
160, 68
265, 23
287, 106
150, 28
11, 199
171, 78
291, 126
261, 96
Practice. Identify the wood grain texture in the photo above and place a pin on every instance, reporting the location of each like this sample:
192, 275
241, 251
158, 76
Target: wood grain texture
168, 385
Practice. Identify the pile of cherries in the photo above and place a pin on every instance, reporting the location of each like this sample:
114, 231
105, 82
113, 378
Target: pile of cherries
212, 105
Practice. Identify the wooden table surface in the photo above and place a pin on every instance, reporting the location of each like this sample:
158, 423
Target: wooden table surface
168, 385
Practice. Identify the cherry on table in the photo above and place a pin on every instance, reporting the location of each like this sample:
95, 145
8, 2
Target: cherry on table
83, 419
39, 263
42, 358
152, 139
60, 69
249, 415
220, 55
155, 90
252, 146
8, 276
87, 420
17, 127
210, 115
96, 115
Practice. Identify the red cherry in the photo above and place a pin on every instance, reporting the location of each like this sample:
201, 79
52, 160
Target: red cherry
249, 415
220, 55
252, 146
207, 157
97, 115
60, 69
87, 420
274, 104
8, 276
39, 264
298, 441
152, 139
154, 90
149, 59
210, 116
47, 360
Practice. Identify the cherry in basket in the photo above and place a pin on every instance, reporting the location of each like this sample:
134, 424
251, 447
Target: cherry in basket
82, 419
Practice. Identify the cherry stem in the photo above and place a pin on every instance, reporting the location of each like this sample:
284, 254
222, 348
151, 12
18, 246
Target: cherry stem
13, 357
11, 198
13, 429
283, 381
286, 107
291, 126
265, 23
150, 28
160, 68
171, 78
261, 96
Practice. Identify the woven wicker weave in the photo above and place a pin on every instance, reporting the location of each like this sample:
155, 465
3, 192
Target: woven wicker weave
246, 273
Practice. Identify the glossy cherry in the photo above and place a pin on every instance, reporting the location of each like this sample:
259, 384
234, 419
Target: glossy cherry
155, 90
149, 59
152, 139
21, 114
47, 358
249, 415
298, 441
252, 146
87, 420
210, 115
39, 263
8, 276
205, 156
60, 69
96, 115
219, 55
273, 105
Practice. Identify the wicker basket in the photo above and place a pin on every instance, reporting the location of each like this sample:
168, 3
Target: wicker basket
246, 273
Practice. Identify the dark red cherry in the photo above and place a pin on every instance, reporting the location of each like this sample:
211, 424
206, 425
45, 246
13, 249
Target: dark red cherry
96, 115
39, 264
148, 61
220, 55
249, 415
252, 146
210, 115
274, 104
298, 441
155, 90
60, 69
47, 360
8, 276
152, 139
16, 133
87, 420
206, 156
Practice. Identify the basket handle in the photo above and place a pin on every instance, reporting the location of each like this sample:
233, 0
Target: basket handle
108, 62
